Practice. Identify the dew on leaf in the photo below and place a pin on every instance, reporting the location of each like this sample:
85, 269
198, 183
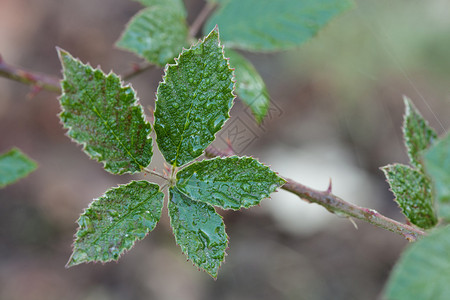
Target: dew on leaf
77, 257
246, 187
205, 238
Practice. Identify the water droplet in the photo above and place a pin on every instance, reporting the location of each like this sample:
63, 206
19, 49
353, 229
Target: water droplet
218, 122
113, 213
86, 226
175, 105
78, 256
246, 187
204, 237
209, 104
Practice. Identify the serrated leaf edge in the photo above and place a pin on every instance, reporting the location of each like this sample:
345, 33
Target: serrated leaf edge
265, 196
214, 276
384, 170
233, 78
69, 262
137, 15
411, 109
136, 103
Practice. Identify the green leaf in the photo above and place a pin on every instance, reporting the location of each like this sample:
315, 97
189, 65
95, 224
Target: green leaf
193, 101
423, 271
231, 182
267, 25
115, 221
418, 134
158, 32
14, 165
199, 231
412, 191
104, 117
250, 87
437, 165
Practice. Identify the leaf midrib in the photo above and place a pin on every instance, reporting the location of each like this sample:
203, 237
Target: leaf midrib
121, 219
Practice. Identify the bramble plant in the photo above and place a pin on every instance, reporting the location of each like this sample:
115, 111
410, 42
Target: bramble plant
193, 101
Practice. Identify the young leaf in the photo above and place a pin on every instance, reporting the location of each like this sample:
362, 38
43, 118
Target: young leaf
199, 231
193, 101
104, 117
250, 87
418, 134
114, 222
412, 190
267, 25
14, 165
231, 182
437, 165
158, 32
423, 271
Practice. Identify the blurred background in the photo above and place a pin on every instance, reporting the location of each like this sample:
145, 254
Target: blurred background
336, 114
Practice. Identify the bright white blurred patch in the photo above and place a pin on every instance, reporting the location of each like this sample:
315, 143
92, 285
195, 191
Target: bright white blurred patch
313, 166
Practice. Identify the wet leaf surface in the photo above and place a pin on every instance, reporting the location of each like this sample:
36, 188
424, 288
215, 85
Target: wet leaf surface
412, 190
232, 182
114, 222
199, 231
193, 101
104, 117
417, 133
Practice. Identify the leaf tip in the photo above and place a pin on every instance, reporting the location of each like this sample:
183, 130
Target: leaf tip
76, 258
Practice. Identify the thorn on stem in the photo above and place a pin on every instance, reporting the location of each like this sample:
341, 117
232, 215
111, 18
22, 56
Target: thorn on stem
151, 115
35, 89
230, 150
353, 222
28, 76
136, 67
330, 187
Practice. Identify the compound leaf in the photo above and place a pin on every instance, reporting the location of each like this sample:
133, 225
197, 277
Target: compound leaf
250, 87
412, 190
199, 231
231, 182
423, 271
437, 165
193, 101
14, 165
104, 117
267, 25
418, 134
114, 222
158, 32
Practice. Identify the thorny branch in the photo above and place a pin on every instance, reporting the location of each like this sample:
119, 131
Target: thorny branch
340, 207
326, 199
